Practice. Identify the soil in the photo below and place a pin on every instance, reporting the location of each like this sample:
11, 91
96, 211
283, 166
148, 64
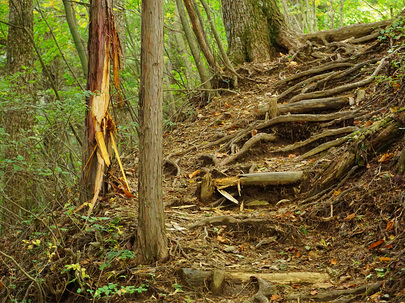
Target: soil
351, 229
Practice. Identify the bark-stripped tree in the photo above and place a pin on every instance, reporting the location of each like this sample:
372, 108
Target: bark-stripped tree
104, 52
19, 121
151, 238
256, 30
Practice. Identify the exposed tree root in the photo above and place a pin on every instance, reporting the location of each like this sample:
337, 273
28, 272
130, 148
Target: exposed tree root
326, 133
363, 291
340, 89
252, 141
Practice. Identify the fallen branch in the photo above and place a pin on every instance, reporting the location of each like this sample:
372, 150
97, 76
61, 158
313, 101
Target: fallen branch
223, 220
199, 278
270, 178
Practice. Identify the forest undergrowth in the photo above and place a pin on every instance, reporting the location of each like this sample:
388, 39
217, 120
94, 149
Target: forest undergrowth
287, 188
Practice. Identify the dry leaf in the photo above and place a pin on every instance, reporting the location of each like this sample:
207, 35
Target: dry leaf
386, 259
385, 158
337, 192
314, 292
221, 239
292, 156
333, 262
254, 132
275, 297
375, 244
389, 225
367, 124
127, 193
349, 217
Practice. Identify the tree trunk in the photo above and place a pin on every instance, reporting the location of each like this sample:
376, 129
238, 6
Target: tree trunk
151, 238
256, 30
195, 51
183, 51
18, 185
103, 52
81, 51
199, 33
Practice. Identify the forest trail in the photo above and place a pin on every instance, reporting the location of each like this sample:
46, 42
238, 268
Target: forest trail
337, 225
287, 188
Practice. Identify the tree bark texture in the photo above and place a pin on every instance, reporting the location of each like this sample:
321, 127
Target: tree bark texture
256, 30
199, 33
81, 51
104, 51
151, 238
195, 50
19, 186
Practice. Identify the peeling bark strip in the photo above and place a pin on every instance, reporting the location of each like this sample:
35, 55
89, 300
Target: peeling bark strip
104, 52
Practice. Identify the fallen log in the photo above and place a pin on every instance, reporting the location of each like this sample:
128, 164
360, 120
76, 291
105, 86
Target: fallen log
270, 178
200, 278
343, 33
305, 106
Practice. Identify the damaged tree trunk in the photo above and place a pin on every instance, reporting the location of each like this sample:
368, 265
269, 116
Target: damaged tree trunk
104, 51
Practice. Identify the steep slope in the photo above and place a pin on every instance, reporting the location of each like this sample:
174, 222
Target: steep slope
286, 189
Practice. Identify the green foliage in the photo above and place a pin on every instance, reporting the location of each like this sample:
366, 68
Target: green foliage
111, 289
394, 32
116, 254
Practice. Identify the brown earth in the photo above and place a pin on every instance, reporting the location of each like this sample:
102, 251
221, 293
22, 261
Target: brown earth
345, 238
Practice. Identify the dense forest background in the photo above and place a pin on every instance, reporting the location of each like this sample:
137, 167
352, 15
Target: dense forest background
53, 106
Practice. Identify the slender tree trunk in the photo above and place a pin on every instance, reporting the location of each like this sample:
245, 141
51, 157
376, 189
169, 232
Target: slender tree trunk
151, 237
183, 51
81, 51
225, 57
199, 33
341, 13
120, 24
18, 184
331, 14
195, 51
315, 19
